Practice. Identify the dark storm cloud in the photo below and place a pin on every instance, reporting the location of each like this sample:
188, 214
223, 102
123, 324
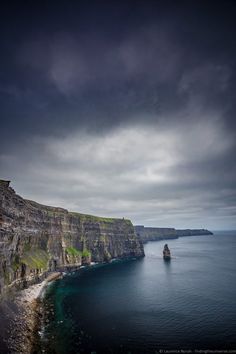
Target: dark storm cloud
82, 60
132, 103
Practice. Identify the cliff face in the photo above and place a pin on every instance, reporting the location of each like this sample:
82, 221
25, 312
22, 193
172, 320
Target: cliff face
35, 238
157, 233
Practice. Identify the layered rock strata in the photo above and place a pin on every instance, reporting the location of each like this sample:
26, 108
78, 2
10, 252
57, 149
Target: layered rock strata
36, 239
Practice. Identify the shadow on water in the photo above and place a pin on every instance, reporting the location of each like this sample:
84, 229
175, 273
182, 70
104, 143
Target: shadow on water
167, 264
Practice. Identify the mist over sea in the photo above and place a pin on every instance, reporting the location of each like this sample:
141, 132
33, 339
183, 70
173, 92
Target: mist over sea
147, 305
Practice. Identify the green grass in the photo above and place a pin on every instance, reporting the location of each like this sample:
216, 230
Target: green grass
86, 253
35, 259
93, 218
72, 251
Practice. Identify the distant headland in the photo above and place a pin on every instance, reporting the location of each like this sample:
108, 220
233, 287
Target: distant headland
165, 233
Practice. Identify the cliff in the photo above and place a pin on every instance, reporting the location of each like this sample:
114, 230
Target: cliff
193, 232
35, 239
157, 233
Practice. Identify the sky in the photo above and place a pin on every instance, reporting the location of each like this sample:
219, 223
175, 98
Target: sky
122, 109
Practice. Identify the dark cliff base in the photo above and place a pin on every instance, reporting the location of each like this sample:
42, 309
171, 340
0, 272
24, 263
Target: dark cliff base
7, 313
21, 316
157, 233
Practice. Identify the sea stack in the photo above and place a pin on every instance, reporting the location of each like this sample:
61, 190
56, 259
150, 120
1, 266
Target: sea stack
166, 253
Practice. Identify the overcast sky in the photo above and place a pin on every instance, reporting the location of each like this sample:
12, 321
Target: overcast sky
122, 108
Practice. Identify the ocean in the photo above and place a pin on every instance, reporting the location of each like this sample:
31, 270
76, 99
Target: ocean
148, 305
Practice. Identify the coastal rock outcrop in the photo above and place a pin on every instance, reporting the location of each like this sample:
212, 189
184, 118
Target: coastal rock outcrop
35, 239
166, 253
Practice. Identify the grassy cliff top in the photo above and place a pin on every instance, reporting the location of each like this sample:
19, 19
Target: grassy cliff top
84, 217
94, 218
57, 211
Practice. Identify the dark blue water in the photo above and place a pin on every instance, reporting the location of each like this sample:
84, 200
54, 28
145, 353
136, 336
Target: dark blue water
146, 305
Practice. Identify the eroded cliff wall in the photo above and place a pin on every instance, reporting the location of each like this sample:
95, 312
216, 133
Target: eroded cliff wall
35, 238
